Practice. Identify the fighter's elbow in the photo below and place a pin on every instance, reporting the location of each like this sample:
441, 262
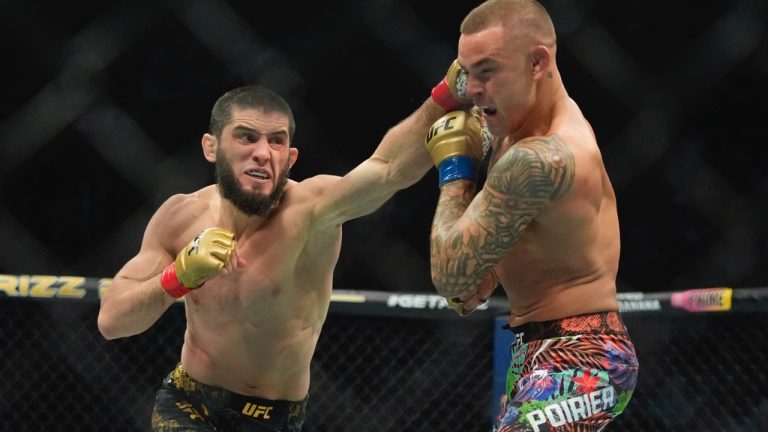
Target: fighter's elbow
105, 328
439, 282
450, 286
108, 327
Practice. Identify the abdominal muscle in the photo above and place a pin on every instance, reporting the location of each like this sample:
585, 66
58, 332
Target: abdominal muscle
265, 353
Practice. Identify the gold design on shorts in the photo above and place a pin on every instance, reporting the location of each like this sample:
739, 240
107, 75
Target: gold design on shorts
189, 409
297, 409
182, 380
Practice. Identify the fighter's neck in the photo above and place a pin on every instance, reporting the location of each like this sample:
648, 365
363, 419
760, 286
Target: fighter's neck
235, 220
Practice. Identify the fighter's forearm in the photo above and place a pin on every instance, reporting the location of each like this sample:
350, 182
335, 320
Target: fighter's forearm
402, 149
453, 246
131, 307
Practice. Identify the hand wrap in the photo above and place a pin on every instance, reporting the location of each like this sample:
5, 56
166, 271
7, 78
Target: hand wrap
451, 92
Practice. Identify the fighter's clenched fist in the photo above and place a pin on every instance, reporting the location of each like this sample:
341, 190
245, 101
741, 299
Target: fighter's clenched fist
458, 142
202, 258
451, 92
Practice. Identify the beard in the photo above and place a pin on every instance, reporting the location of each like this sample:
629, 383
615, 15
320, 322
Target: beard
249, 202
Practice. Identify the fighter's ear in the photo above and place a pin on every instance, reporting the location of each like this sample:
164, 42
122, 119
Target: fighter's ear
209, 143
293, 154
541, 58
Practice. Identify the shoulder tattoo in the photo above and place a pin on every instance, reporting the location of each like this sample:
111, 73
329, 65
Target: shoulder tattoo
525, 181
541, 169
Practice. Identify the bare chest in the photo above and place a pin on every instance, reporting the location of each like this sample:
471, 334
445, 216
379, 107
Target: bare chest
262, 270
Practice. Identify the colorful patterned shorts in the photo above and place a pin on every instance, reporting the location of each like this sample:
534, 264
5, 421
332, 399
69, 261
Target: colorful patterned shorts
574, 374
183, 404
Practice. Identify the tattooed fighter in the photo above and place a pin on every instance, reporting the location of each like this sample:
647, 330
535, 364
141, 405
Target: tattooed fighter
544, 224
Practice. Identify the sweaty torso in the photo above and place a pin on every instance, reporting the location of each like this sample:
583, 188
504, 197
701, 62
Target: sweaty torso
566, 260
253, 331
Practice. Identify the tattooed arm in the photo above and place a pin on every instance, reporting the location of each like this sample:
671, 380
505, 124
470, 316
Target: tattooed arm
471, 234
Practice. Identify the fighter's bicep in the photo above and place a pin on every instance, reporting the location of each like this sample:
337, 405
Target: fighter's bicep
171, 220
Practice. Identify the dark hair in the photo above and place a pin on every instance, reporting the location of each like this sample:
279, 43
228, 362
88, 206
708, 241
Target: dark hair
250, 96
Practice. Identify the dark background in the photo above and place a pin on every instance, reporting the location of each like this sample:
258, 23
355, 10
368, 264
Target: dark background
104, 103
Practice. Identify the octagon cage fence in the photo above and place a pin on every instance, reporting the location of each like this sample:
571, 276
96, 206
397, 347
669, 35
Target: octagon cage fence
384, 362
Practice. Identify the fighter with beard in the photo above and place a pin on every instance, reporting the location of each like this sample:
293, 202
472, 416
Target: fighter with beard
252, 256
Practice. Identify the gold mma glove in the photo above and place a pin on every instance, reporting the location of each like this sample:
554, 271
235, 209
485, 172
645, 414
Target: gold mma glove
202, 258
451, 92
457, 142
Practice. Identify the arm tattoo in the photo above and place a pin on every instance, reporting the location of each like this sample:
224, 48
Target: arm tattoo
470, 236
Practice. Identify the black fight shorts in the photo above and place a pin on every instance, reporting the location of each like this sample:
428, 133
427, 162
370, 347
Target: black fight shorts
183, 404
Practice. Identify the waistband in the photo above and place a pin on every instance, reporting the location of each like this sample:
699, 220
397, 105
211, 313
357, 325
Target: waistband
609, 323
274, 412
